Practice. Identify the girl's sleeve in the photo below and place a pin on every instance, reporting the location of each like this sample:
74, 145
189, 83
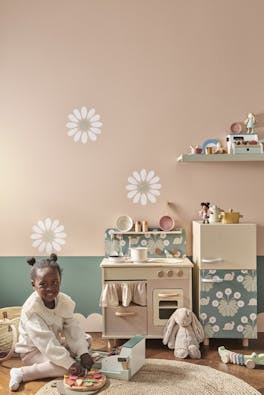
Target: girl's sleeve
46, 342
75, 336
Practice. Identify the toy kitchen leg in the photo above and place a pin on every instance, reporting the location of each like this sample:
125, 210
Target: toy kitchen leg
128, 362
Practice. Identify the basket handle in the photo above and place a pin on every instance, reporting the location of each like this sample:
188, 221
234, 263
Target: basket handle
14, 340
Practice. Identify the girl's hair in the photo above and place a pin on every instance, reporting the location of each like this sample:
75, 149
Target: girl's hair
42, 263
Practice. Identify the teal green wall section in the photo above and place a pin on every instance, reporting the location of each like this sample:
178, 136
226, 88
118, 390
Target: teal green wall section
81, 279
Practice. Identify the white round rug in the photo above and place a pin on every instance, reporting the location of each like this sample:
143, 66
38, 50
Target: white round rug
165, 377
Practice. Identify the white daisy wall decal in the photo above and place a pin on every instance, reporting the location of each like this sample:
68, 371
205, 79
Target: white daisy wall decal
84, 124
48, 235
143, 186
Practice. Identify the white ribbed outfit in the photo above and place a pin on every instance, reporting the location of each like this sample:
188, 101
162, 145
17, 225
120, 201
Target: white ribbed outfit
44, 334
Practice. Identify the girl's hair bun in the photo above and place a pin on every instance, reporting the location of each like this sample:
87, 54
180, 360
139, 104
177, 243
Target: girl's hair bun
53, 257
31, 261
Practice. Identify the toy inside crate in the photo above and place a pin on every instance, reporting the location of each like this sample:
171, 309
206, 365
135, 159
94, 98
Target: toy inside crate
244, 144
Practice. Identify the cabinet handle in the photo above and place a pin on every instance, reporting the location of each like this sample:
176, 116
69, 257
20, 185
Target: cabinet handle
212, 260
167, 295
212, 280
124, 314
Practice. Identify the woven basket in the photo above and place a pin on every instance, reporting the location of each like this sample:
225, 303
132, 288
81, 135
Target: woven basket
9, 321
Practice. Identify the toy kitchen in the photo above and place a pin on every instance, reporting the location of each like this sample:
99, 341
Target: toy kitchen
146, 276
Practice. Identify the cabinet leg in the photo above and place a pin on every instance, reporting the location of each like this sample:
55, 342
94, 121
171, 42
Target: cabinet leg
206, 341
245, 342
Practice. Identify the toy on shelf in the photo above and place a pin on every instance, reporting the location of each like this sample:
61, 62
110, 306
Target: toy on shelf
236, 128
214, 214
219, 149
183, 332
243, 143
204, 212
250, 122
196, 150
250, 361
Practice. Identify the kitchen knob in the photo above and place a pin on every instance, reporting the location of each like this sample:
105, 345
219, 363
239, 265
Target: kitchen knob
160, 273
170, 273
180, 273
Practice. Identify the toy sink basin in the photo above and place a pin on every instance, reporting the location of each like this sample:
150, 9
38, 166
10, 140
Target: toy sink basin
230, 217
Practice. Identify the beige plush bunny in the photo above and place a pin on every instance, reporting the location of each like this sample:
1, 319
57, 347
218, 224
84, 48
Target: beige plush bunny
183, 332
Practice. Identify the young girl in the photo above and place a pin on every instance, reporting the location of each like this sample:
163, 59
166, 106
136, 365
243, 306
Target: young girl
46, 316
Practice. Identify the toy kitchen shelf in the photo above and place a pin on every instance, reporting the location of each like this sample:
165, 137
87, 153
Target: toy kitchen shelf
221, 158
150, 232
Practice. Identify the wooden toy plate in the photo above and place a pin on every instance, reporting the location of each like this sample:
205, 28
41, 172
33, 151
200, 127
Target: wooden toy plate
98, 383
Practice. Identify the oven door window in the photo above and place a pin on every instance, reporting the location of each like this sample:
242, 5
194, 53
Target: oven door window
165, 302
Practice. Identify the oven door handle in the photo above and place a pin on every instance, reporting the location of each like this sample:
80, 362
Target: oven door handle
167, 295
124, 314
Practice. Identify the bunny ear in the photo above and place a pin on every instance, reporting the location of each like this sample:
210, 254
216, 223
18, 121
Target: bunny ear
168, 329
172, 338
197, 328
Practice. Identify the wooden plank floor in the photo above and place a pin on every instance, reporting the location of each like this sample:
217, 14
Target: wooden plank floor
155, 349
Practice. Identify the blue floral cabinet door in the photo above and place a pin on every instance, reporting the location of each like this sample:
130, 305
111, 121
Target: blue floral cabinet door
228, 303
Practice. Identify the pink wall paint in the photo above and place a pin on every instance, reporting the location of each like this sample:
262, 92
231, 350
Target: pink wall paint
162, 75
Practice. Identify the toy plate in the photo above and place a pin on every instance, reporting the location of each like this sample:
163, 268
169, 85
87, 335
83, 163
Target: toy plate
167, 223
236, 128
124, 223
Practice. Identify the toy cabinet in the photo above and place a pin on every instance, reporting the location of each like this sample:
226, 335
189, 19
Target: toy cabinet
225, 279
147, 294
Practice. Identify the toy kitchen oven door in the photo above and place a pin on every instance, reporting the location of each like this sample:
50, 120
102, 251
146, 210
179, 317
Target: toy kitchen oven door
164, 297
165, 302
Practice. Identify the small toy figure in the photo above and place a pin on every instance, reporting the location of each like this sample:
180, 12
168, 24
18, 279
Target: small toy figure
204, 212
183, 333
219, 149
250, 122
250, 361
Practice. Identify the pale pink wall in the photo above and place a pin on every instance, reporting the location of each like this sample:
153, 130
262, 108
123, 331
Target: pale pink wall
162, 74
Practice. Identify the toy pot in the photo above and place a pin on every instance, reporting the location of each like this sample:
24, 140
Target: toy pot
230, 217
139, 254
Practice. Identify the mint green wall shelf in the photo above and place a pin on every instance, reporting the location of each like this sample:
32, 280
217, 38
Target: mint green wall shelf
221, 158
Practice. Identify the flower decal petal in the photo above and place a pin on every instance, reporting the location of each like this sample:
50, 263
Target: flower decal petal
143, 187
84, 124
48, 235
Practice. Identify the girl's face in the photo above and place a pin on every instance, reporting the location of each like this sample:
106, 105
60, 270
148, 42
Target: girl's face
47, 285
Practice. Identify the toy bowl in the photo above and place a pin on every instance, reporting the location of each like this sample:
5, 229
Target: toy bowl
167, 223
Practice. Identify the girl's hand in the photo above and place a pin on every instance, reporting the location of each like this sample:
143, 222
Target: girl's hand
77, 369
86, 361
